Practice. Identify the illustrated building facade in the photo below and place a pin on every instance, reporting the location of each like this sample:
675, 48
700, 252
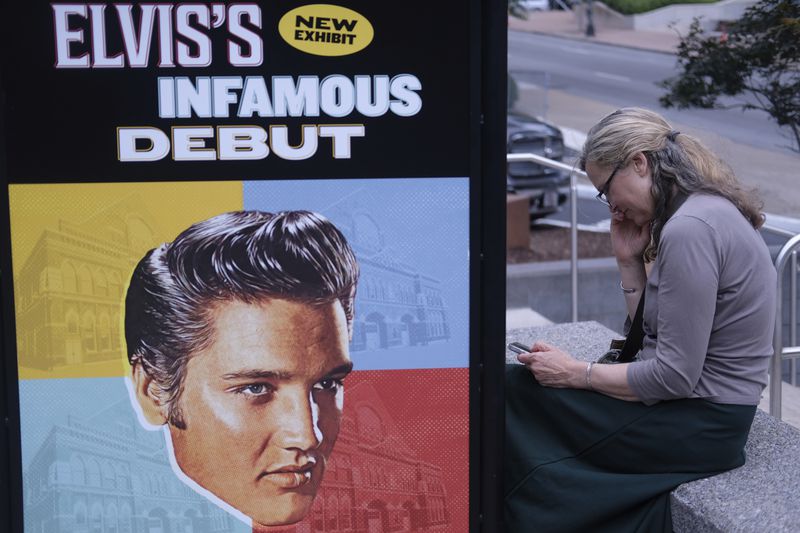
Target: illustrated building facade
69, 293
108, 475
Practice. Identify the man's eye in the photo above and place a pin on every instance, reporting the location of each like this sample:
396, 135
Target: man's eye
256, 389
329, 384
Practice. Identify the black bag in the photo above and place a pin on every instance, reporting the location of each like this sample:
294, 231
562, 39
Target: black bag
626, 350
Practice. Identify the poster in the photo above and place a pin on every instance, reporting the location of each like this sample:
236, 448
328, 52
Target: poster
242, 253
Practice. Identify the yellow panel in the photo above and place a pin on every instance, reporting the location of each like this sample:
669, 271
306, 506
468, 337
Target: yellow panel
74, 247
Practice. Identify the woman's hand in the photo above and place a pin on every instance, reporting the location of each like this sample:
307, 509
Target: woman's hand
553, 367
628, 241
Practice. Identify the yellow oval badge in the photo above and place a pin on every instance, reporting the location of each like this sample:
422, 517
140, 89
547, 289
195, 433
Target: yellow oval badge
326, 30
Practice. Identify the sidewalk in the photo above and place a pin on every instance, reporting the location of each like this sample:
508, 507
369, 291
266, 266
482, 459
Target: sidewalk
568, 25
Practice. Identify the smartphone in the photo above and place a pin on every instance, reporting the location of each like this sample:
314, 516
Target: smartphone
518, 347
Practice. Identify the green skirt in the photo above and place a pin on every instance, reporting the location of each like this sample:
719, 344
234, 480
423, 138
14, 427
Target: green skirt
581, 461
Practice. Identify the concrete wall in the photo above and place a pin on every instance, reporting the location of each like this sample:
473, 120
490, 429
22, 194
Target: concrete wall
546, 288
680, 16
676, 17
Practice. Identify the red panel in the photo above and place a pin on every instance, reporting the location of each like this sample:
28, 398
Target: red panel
401, 462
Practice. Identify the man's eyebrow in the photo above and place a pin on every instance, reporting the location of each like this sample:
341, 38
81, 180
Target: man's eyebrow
257, 374
280, 375
341, 369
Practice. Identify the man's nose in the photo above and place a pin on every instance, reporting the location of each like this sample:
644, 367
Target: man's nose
299, 422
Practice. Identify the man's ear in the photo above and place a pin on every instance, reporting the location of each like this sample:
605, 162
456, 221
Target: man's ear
149, 396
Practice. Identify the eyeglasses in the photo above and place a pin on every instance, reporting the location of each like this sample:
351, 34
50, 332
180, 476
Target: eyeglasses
603, 194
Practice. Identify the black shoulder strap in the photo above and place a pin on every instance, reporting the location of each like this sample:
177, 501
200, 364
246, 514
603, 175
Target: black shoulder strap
633, 342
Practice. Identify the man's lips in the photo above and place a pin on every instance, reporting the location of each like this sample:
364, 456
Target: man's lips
289, 476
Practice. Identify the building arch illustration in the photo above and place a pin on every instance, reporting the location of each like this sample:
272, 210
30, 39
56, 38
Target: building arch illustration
78, 476
331, 508
377, 519
375, 329
109, 477
92, 473
158, 521
111, 518
125, 518
114, 284
104, 331
100, 283
79, 514
84, 281
96, 518
345, 505
69, 277
88, 332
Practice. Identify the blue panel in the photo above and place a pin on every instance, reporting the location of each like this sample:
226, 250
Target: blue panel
89, 465
411, 237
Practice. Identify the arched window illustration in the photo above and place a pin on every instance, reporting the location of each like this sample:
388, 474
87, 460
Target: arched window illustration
79, 511
100, 283
111, 518
114, 284
88, 331
123, 478
104, 332
345, 518
96, 519
331, 506
115, 340
72, 322
78, 474
92, 473
125, 518
317, 512
109, 478
69, 278
84, 281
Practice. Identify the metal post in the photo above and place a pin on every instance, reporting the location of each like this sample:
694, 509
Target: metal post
573, 194
793, 311
776, 369
573, 256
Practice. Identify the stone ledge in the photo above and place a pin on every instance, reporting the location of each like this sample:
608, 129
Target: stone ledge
759, 496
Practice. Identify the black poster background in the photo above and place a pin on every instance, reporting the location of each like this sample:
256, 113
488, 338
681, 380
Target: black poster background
62, 122
59, 125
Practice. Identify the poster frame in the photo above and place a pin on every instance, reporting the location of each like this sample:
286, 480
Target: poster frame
487, 58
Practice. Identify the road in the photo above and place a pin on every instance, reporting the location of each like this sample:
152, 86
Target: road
575, 83
625, 77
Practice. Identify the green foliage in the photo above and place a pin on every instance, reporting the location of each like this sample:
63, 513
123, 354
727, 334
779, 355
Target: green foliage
634, 7
760, 56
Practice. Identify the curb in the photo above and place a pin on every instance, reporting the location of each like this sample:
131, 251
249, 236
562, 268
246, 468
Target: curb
593, 41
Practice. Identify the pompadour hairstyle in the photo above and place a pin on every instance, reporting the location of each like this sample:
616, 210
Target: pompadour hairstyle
246, 256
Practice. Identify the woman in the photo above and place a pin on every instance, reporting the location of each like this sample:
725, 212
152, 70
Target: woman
595, 447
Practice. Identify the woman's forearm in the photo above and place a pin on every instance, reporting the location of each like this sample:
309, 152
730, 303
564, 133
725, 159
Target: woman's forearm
611, 380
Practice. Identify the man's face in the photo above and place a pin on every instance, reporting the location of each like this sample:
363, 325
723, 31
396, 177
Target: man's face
262, 406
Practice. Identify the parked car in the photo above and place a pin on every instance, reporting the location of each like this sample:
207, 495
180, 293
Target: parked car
547, 188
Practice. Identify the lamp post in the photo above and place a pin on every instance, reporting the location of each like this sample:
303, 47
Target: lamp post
589, 18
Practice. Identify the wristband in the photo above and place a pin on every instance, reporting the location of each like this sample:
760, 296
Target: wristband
589, 376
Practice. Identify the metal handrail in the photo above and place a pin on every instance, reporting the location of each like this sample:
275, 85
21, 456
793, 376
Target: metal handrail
573, 198
787, 253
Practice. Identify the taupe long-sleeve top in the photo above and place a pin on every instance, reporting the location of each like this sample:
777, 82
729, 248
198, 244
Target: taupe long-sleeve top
709, 309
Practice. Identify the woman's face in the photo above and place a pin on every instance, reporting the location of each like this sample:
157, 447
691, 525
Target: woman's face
629, 192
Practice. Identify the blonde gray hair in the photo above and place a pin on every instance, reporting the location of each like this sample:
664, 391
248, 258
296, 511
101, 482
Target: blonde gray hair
678, 163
